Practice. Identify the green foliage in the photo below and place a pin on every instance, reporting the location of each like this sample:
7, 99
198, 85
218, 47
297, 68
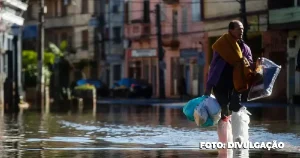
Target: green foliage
59, 51
63, 46
29, 57
30, 62
85, 87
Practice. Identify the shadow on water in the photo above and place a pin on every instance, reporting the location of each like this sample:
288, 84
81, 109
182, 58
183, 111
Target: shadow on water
136, 131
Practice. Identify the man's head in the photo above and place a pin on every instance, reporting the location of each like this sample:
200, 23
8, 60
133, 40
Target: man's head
236, 29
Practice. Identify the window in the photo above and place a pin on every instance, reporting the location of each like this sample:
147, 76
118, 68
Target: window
63, 36
117, 72
162, 12
196, 10
117, 34
146, 11
56, 9
106, 36
126, 12
115, 9
84, 6
70, 42
175, 22
184, 19
116, 5
146, 72
195, 72
85, 39
64, 9
292, 43
277, 4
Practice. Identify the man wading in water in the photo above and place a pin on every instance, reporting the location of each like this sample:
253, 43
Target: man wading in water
230, 74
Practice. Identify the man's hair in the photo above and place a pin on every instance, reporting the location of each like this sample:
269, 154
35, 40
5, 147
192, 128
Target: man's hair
232, 24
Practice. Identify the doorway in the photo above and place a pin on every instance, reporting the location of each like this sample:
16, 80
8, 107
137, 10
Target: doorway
187, 79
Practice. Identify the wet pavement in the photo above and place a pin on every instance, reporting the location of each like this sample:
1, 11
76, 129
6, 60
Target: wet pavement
137, 131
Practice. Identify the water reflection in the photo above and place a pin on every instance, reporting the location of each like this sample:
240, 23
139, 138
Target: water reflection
135, 131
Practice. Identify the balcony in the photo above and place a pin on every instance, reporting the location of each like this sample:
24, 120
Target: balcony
173, 43
138, 31
67, 21
284, 15
171, 2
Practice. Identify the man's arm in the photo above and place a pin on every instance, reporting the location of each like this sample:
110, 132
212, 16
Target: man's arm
208, 84
248, 55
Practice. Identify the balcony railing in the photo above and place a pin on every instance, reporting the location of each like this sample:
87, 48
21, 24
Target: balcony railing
70, 20
138, 31
64, 21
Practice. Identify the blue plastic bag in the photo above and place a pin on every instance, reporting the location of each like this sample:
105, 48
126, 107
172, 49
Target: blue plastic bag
209, 122
208, 112
190, 106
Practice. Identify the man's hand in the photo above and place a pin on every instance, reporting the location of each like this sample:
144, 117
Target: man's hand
258, 62
246, 62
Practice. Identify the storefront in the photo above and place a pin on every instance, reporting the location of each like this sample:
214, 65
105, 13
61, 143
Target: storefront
190, 66
142, 64
293, 76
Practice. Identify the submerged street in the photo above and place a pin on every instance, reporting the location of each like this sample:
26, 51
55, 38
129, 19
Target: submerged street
136, 131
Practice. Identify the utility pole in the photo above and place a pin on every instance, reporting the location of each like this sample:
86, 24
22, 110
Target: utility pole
101, 31
40, 84
244, 18
160, 55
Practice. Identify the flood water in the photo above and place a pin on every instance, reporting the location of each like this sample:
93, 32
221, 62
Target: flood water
119, 131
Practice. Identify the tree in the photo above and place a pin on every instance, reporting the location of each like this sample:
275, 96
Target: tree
29, 65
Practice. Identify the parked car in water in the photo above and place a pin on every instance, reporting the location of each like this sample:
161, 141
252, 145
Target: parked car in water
101, 87
128, 87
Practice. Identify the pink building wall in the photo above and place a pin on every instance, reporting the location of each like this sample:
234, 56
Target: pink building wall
188, 39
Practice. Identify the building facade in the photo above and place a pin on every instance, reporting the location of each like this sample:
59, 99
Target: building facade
64, 21
10, 66
284, 44
182, 39
114, 47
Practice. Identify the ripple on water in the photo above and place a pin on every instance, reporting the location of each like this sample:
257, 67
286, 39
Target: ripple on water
63, 139
168, 136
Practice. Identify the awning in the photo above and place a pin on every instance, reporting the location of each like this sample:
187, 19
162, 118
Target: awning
30, 31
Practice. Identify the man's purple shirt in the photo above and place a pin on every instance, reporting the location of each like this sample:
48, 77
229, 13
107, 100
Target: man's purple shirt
218, 63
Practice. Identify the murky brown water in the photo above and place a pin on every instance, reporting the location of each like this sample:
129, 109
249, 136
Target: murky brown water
136, 131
